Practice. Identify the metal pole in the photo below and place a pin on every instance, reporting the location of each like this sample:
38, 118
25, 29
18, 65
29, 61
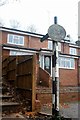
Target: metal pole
55, 80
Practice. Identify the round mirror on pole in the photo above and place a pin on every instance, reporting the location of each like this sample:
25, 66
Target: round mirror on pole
56, 32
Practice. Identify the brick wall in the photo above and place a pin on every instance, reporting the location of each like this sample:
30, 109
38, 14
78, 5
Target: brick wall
69, 77
4, 37
68, 97
44, 95
65, 48
69, 94
34, 42
5, 52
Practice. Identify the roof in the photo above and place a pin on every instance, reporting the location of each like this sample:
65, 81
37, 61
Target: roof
31, 34
18, 47
20, 32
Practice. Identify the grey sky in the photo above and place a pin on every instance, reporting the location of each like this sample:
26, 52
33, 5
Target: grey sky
41, 13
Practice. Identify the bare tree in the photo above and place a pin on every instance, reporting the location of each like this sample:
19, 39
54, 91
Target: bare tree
14, 24
32, 28
3, 2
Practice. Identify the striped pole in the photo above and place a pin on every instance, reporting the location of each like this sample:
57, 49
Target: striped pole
55, 80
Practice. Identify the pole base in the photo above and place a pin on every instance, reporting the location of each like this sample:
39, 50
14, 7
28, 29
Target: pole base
55, 112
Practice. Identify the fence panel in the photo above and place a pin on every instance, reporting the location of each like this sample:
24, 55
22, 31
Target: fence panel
4, 68
22, 71
11, 72
25, 79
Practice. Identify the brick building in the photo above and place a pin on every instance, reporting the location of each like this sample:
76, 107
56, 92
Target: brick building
17, 42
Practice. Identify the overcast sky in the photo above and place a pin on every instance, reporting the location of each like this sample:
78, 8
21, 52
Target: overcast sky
41, 13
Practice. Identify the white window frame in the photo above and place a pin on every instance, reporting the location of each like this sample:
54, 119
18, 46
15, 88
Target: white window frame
49, 45
73, 51
41, 59
13, 39
16, 52
66, 62
59, 46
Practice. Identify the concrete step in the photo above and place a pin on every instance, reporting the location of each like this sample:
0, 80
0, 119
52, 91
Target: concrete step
0, 89
0, 83
10, 106
3, 83
5, 96
13, 116
3, 89
3, 104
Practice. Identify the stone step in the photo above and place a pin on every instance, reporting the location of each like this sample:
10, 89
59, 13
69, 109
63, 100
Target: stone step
0, 84
10, 118
3, 90
0, 89
4, 104
3, 83
10, 106
13, 116
5, 96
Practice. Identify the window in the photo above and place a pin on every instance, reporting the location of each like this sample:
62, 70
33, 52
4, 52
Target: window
65, 62
73, 51
50, 45
41, 61
15, 39
14, 52
47, 62
59, 46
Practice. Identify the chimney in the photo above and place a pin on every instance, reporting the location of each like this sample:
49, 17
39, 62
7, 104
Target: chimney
78, 42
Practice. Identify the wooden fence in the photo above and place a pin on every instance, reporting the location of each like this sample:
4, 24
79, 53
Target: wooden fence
11, 68
21, 70
4, 68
